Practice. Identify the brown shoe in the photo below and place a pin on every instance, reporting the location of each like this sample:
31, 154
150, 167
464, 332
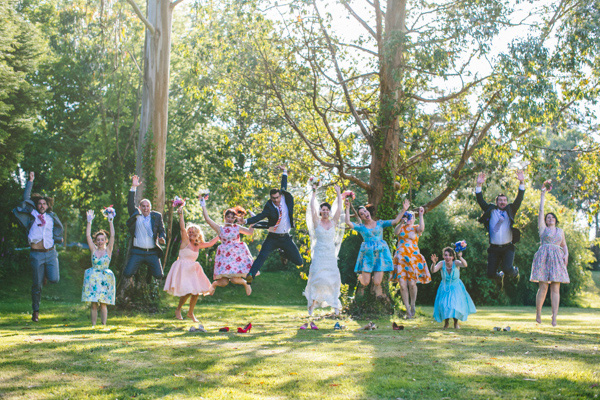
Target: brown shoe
35, 317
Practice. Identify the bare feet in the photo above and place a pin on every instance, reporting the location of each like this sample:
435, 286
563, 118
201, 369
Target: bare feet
538, 319
554, 320
248, 290
456, 325
192, 317
178, 314
446, 324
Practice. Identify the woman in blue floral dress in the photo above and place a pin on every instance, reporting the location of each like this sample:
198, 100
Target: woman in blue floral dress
99, 281
374, 257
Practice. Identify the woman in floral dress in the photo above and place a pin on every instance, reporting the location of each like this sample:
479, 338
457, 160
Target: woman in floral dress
549, 266
99, 281
410, 267
374, 257
233, 259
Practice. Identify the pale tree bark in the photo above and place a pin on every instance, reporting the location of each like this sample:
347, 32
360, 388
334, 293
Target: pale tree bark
152, 139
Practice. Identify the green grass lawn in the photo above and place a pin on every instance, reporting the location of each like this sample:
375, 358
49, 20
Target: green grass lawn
154, 356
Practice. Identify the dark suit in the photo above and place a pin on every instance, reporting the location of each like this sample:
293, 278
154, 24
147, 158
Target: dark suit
137, 256
275, 240
43, 264
501, 254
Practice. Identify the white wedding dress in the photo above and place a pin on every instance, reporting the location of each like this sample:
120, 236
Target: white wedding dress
324, 280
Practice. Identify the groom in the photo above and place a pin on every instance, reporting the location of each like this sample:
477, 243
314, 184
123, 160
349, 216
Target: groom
498, 220
279, 211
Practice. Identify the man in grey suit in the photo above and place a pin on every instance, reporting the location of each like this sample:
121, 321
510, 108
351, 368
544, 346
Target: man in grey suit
147, 231
44, 229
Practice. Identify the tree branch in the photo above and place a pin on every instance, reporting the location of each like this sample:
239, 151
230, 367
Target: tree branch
138, 12
359, 19
450, 96
175, 3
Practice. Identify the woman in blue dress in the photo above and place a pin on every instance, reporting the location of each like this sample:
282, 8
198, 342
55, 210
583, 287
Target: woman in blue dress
99, 281
374, 257
452, 299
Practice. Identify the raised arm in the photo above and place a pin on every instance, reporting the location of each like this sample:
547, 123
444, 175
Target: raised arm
88, 230
461, 259
435, 265
541, 221
135, 182
29, 186
521, 194
207, 218
111, 241
184, 235
478, 194
210, 243
338, 199
313, 213
284, 175
421, 226
405, 207
349, 223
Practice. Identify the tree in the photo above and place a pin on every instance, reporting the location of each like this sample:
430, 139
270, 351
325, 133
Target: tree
406, 95
152, 139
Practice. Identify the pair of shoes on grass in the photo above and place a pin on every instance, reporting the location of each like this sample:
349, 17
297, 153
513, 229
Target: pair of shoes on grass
397, 327
369, 327
200, 328
313, 326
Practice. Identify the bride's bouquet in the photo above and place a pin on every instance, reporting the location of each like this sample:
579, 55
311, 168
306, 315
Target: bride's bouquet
177, 202
109, 212
314, 182
204, 193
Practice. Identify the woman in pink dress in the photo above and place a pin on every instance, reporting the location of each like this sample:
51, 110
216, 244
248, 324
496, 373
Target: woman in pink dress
549, 266
233, 259
186, 278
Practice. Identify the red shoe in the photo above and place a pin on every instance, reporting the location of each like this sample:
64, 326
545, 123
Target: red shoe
225, 329
246, 329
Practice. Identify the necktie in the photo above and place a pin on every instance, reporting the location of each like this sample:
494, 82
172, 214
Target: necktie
42, 220
148, 226
280, 214
500, 221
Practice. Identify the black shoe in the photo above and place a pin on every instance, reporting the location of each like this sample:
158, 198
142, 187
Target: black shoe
249, 278
35, 316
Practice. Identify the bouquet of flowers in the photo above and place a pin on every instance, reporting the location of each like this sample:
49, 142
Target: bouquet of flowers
348, 193
548, 185
109, 212
177, 202
460, 246
204, 193
314, 182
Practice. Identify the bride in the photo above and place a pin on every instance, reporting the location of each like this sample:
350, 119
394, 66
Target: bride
323, 286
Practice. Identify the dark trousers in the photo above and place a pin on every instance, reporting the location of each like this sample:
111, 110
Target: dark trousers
42, 264
501, 255
276, 241
137, 257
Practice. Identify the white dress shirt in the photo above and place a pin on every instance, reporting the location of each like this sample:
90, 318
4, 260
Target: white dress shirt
503, 234
41, 233
142, 238
284, 225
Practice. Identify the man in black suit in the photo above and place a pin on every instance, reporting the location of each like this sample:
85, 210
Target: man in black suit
279, 211
498, 220
147, 231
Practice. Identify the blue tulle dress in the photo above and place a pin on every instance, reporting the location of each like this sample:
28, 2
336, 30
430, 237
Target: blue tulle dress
374, 255
452, 299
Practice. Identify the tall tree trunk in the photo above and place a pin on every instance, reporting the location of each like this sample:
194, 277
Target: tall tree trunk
387, 134
150, 163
